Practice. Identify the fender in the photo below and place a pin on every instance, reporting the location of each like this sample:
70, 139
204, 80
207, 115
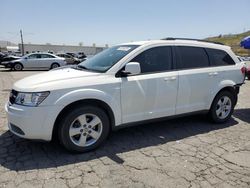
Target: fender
81, 94
221, 85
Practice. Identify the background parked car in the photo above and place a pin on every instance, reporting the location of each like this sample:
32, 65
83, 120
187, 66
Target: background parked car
247, 69
2, 55
36, 60
245, 58
69, 59
72, 54
7, 58
81, 55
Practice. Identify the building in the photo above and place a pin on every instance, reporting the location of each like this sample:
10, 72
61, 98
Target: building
88, 50
7, 46
12, 48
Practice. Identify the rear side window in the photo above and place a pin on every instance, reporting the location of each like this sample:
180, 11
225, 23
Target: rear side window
155, 59
34, 56
46, 56
191, 57
219, 57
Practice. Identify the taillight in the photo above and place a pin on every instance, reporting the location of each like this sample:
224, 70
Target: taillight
243, 70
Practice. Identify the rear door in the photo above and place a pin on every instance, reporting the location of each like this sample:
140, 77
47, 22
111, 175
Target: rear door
197, 80
47, 60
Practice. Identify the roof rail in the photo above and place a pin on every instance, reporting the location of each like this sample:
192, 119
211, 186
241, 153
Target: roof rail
199, 40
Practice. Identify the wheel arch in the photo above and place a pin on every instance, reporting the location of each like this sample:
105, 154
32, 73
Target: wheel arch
55, 63
18, 62
94, 102
229, 88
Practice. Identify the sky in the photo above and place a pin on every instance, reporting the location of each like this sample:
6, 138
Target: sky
116, 21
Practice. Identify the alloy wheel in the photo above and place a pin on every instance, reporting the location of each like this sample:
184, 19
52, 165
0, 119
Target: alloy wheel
223, 107
85, 130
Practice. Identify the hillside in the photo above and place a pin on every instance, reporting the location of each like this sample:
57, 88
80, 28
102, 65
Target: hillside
233, 40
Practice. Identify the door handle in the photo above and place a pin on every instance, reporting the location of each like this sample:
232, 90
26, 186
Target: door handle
213, 73
172, 78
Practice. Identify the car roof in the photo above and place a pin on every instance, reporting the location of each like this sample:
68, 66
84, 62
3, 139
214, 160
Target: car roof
188, 42
41, 53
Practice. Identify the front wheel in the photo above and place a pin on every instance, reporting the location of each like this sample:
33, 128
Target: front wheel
222, 107
84, 129
18, 67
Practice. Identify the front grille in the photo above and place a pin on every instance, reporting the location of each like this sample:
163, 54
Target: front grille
13, 95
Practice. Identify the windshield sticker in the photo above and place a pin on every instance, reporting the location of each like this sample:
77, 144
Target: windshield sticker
124, 48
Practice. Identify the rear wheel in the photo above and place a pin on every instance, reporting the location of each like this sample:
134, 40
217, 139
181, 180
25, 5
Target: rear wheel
84, 129
18, 67
222, 107
54, 65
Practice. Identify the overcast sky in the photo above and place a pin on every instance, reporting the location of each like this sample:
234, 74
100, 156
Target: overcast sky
116, 21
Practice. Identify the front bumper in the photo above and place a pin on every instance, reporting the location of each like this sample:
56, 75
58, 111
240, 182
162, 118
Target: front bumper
7, 64
31, 122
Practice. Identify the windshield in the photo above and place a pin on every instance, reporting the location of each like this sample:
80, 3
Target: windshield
107, 58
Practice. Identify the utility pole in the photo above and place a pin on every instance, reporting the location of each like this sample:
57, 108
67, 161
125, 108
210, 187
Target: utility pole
21, 33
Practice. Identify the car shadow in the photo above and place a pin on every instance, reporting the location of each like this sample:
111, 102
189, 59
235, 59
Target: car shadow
21, 154
242, 114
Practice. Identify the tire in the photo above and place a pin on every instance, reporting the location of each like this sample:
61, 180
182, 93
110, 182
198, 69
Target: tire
18, 67
222, 107
75, 129
54, 65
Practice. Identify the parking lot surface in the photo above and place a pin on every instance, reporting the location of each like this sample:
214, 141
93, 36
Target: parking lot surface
185, 152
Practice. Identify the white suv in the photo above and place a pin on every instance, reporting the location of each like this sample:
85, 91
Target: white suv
125, 84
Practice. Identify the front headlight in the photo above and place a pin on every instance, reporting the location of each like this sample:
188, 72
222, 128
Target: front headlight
31, 99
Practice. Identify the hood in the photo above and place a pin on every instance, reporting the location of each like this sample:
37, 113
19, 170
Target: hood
55, 79
15, 60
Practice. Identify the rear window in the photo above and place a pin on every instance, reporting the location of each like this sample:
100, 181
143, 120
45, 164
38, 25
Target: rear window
191, 57
219, 57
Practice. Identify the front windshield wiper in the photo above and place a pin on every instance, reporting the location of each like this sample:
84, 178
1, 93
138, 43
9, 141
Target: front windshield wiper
81, 67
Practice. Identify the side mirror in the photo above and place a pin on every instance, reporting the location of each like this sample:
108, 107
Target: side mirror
132, 68
25, 58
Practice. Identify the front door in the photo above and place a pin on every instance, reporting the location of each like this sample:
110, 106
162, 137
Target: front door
152, 94
33, 61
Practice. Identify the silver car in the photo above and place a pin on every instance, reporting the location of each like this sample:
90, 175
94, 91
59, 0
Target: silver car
35, 61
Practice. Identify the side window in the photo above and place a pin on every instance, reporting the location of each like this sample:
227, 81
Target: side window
155, 59
219, 57
34, 56
191, 57
46, 56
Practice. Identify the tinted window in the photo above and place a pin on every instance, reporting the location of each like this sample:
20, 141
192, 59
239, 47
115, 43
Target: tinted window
34, 56
219, 57
46, 56
191, 57
67, 56
155, 59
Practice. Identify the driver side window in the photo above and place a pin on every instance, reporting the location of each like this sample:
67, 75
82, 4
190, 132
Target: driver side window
157, 59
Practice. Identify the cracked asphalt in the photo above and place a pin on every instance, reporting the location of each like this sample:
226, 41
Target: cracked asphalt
185, 152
